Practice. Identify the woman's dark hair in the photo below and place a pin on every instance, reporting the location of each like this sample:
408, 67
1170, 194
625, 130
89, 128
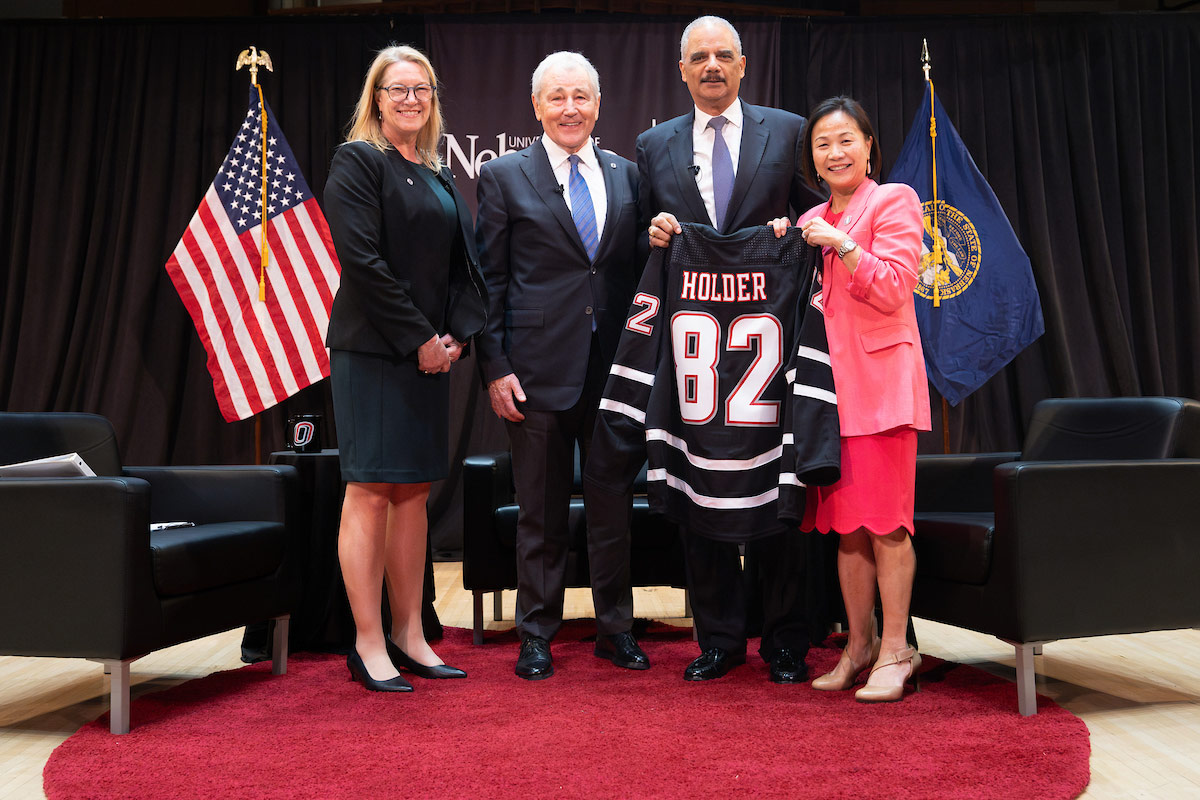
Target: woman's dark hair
855, 111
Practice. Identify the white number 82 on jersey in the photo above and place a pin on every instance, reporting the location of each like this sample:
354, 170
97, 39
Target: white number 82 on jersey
696, 342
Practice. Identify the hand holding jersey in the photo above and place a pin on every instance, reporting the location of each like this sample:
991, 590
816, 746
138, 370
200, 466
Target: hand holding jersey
817, 231
662, 227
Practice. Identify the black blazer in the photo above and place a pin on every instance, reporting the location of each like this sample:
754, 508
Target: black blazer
397, 288
544, 292
768, 180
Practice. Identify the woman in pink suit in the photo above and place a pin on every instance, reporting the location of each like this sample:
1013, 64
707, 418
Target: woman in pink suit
871, 239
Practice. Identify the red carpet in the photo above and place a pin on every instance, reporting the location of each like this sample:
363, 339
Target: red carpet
591, 730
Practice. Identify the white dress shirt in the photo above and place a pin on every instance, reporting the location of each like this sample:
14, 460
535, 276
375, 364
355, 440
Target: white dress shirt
589, 170
702, 147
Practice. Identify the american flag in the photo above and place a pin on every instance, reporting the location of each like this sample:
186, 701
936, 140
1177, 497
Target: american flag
259, 352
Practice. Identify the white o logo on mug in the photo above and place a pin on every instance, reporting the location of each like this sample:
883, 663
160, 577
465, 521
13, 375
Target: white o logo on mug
303, 433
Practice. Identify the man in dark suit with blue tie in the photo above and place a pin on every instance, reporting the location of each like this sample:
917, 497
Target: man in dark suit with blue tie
730, 165
561, 250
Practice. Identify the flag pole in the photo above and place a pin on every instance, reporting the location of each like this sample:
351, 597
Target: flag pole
253, 59
938, 256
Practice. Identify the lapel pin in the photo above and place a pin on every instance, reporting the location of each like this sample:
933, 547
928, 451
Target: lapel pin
410, 183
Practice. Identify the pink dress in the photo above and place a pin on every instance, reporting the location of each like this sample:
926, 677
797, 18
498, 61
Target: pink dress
877, 487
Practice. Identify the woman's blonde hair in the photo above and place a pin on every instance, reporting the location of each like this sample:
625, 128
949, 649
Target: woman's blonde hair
365, 124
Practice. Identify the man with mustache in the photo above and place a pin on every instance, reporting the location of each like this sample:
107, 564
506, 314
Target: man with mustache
730, 165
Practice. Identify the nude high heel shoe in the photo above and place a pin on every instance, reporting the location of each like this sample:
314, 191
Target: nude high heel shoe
846, 673
890, 694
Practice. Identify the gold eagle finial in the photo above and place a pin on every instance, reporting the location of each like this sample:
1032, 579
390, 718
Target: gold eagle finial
254, 59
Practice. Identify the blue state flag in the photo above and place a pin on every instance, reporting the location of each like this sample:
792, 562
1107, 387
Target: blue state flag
977, 304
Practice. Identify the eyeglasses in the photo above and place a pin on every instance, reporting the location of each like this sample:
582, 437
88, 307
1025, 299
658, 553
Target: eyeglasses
398, 92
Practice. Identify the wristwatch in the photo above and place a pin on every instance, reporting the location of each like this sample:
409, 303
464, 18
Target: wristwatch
846, 246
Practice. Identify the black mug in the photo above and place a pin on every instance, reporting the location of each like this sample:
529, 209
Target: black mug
304, 433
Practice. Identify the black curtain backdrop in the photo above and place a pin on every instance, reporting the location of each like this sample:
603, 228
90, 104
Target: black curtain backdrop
110, 132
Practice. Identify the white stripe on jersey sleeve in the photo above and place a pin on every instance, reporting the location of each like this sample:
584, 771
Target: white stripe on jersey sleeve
715, 464
632, 374
815, 393
769, 496
813, 354
623, 408
790, 478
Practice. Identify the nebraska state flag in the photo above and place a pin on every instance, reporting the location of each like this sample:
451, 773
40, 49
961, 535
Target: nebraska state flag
977, 304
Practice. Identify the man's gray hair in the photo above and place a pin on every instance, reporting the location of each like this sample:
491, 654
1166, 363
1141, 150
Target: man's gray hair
700, 22
564, 59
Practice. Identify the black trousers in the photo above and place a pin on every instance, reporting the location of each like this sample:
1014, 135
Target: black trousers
543, 472
721, 592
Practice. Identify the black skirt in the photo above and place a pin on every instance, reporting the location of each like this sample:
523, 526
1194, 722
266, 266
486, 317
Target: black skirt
393, 421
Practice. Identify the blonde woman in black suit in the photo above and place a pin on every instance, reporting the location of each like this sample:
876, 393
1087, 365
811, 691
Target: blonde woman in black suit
411, 296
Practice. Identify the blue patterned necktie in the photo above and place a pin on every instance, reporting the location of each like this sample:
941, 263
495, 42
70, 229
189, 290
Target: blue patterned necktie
582, 211
722, 171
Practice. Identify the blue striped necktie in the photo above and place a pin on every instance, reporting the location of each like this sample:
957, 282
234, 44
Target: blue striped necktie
582, 211
722, 171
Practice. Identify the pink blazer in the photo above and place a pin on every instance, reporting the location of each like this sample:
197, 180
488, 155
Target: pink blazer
874, 343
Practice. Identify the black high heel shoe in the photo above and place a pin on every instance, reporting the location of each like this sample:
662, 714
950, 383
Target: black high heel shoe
401, 659
358, 672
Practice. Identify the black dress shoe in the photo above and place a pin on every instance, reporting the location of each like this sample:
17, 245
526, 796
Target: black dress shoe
402, 660
358, 672
787, 666
622, 649
534, 664
712, 663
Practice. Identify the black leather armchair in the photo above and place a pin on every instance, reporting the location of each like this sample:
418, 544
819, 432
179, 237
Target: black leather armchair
86, 578
1090, 530
490, 528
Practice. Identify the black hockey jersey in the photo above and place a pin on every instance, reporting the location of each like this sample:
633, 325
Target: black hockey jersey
722, 383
